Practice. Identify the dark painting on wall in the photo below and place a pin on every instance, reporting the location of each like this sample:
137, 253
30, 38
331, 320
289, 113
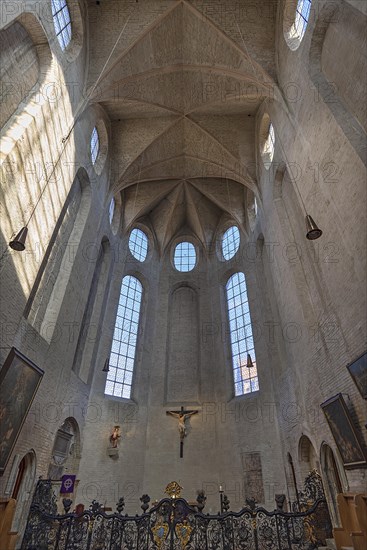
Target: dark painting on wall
358, 371
344, 432
19, 380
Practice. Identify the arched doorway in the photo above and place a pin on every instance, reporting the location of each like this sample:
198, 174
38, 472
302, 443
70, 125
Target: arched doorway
22, 492
291, 483
334, 478
307, 457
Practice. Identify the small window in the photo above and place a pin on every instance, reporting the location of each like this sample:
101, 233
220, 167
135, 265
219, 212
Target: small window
230, 242
94, 145
184, 257
123, 350
242, 342
111, 210
138, 244
62, 23
268, 149
300, 23
295, 29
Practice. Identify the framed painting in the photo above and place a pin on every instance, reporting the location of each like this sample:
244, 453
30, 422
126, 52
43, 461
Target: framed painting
344, 432
19, 381
358, 371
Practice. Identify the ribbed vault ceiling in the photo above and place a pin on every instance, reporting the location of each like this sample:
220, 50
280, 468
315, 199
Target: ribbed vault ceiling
182, 95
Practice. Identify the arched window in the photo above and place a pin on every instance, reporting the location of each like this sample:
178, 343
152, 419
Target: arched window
62, 23
242, 343
230, 242
122, 357
295, 21
94, 145
185, 257
111, 210
301, 19
50, 286
138, 244
268, 149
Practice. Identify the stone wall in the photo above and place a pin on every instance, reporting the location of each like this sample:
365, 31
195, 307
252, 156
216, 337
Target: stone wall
307, 298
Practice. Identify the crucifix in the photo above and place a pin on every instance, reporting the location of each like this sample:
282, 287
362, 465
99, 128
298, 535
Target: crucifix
182, 416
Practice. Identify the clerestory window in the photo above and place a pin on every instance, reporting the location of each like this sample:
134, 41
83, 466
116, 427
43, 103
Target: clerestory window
138, 244
230, 242
300, 22
111, 210
94, 145
123, 349
269, 146
295, 26
242, 342
62, 23
185, 257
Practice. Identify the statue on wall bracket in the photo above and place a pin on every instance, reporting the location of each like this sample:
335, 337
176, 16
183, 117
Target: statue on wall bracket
114, 440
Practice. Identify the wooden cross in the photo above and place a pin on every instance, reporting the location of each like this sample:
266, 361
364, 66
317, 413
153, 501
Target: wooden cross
182, 416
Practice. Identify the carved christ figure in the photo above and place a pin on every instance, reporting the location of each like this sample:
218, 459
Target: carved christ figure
182, 417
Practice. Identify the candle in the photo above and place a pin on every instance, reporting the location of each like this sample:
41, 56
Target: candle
220, 488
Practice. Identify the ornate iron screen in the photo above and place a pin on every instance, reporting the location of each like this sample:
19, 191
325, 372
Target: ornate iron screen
173, 525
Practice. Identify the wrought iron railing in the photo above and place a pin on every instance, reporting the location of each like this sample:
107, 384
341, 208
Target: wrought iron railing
172, 525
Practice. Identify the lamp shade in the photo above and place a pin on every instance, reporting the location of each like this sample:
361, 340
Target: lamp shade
313, 232
18, 243
249, 363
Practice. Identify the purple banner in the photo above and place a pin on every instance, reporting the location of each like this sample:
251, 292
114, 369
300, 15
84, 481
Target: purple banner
67, 484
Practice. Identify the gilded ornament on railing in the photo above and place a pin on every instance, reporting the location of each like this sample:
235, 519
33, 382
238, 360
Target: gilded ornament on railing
183, 532
173, 490
160, 531
309, 529
174, 524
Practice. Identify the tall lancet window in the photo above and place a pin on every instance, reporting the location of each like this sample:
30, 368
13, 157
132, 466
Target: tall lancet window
242, 342
302, 15
62, 23
122, 357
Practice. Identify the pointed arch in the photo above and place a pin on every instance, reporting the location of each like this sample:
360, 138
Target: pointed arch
45, 300
347, 103
23, 490
307, 456
65, 456
334, 479
88, 339
25, 59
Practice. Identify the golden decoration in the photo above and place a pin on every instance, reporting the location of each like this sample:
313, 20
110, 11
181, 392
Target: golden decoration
310, 529
183, 532
173, 490
160, 531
